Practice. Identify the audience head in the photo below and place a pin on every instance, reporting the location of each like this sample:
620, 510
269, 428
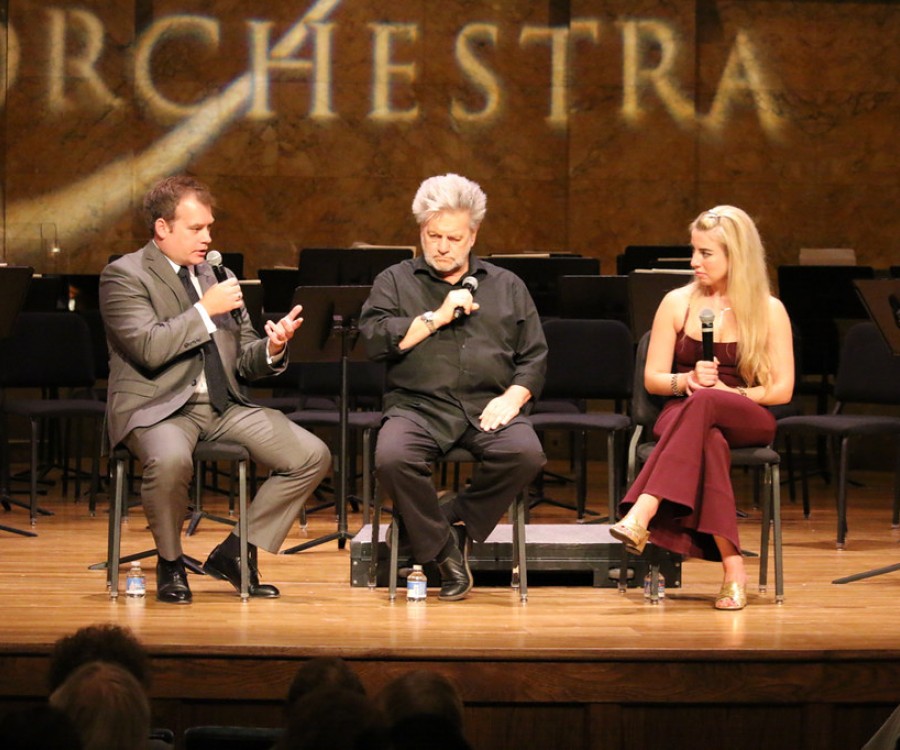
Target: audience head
424, 711
44, 727
326, 672
337, 719
421, 693
108, 705
109, 643
427, 732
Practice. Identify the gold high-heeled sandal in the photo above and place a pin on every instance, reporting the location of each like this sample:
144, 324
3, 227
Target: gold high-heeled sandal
631, 534
732, 596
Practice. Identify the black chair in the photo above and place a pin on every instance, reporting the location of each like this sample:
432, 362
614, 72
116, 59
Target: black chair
14, 284
645, 409
588, 360
99, 344
794, 408
320, 387
52, 352
541, 274
47, 293
204, 471
365, 423
518, 510
817, 317
217, 737
280, 392
867, 374
204, 452
594, 297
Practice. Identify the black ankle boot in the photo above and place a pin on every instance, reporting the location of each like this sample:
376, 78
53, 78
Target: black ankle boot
453, 564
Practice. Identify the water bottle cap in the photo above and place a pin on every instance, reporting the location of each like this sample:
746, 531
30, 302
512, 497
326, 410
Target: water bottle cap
417, 567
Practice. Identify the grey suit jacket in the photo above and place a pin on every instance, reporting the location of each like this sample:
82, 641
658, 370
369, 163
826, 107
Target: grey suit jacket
155, 337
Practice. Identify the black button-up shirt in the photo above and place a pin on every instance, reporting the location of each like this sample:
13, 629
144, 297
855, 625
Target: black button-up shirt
445, 382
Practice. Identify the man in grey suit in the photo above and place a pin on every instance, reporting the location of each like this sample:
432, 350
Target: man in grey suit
178, 343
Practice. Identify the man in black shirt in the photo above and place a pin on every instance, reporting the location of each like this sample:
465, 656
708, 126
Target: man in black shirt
459, 372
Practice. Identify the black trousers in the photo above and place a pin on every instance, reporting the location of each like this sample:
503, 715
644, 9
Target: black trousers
509, 459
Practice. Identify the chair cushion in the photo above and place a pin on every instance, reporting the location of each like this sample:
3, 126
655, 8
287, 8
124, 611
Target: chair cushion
842, 424
608, 421
751, 456
56, 407
220, 450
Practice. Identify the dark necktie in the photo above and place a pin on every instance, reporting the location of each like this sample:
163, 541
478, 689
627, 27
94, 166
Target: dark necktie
216, 382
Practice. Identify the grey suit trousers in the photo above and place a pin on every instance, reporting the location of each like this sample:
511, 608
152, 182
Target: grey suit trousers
297, 459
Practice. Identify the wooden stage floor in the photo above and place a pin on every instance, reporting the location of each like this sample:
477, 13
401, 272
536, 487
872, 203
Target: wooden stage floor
576, 667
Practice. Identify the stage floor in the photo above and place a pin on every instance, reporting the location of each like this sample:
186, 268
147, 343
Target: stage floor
572, 646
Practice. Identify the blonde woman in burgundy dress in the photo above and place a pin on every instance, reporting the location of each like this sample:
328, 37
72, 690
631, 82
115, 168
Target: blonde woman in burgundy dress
683, 500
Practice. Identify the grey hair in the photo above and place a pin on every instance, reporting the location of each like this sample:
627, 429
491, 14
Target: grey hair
449, 192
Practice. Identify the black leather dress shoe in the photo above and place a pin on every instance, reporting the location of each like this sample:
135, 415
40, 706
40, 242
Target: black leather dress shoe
453, 564
171, 582
227, 568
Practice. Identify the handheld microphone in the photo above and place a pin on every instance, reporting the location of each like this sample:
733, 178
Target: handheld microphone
214, 258
470, 283
707, 318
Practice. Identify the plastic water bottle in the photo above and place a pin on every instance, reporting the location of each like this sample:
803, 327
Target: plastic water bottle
662, 585
135, 581
416, 585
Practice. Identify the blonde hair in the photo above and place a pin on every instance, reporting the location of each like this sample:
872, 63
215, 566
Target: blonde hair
748, 287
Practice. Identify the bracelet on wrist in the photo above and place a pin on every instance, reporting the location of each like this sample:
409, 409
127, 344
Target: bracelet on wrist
676, 391
742, 390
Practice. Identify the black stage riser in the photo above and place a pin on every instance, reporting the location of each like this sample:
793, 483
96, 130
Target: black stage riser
557, 554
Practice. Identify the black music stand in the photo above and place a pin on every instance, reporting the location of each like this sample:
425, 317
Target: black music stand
594, 298
278, 288
14, 283
350, 266
541, 275
646, 288
329, 333
881, 298
653, 256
